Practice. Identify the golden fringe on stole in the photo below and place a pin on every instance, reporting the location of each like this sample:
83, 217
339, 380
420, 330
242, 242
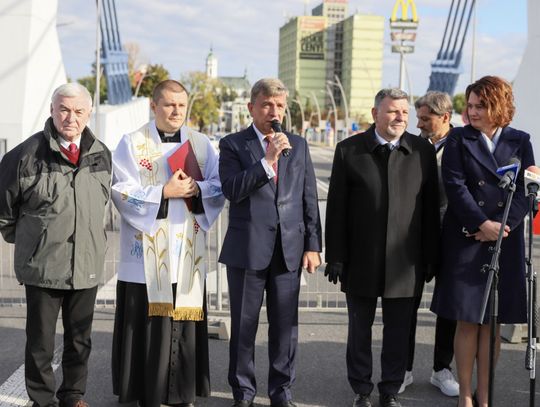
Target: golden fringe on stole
160, 309
188, 314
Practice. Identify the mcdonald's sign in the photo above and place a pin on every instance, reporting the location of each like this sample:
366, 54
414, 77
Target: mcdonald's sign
405, 6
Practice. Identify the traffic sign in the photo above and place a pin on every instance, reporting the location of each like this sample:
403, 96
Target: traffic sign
403, 49
403, 36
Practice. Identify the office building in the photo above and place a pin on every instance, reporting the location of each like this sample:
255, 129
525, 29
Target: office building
314, 50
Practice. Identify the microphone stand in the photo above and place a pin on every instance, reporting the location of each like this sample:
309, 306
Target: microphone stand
530, 356
491, 294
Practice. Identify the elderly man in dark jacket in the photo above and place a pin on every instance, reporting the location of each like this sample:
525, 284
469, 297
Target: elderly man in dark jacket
53, 192
382, 232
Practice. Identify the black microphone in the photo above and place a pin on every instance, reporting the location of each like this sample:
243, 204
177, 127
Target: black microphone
509, 172
532, 180
276, 126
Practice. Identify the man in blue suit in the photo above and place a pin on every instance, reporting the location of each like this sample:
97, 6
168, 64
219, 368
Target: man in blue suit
274, 230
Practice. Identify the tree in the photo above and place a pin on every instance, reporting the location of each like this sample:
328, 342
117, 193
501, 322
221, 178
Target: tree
203, 94
89, 82
134, 58
225, 93
459, 103
154, 74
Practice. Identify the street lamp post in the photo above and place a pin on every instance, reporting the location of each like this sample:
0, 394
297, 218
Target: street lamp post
319, 118
473, 53
98, 66
345, 105
403, 34
143, 70
329, 90
289, 119
302, 114
194, 96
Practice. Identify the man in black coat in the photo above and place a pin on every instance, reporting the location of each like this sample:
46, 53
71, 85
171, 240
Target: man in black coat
382, 233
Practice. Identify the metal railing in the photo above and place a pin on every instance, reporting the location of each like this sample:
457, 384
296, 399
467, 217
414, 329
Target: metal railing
315, 293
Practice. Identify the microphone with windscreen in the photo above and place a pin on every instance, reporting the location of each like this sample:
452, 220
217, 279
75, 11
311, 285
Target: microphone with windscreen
509, 172
276, 126
532, 180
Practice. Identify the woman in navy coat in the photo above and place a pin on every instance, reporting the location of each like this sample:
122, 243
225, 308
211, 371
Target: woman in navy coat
471, 226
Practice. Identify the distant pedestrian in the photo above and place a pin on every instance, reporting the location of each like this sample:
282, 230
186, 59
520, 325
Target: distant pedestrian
54, 189
382, 232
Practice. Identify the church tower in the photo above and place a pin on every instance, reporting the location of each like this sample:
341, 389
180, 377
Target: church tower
211, 65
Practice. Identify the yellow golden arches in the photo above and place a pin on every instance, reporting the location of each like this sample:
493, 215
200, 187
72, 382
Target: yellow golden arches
405, 4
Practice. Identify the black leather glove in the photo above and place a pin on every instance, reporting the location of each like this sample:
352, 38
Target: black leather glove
431, 271
334, 272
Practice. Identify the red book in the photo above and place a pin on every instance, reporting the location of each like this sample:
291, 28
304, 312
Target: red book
184, 158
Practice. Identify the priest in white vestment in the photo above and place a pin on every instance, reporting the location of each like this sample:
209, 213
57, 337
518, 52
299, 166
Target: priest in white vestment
160, 345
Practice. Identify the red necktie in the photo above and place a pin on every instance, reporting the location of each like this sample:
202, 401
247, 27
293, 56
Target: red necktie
72, 153
274, 165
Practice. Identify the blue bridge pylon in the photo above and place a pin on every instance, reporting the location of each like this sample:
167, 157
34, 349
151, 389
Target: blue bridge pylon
114, 58
445, 70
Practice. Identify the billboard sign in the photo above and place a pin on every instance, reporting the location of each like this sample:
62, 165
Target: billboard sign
312, 38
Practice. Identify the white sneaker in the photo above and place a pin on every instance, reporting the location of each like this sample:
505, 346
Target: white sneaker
408, 379
444, 380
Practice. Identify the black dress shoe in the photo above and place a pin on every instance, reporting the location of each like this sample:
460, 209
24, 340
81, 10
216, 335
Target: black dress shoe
362, 400
283, 404
389, 400
242, 403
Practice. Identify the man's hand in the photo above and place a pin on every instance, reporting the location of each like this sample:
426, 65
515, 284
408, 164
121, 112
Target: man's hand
310, 261
334, 272
275, 146
489, 231
180, 186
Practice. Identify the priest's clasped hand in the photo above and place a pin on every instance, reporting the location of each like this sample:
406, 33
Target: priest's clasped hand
334, 271
180, 185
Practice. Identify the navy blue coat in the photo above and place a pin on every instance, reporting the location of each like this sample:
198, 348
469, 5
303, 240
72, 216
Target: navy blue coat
470, 180
257, 206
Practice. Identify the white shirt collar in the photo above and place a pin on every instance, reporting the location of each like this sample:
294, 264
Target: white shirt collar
64, 143
492, 143
395, 143
261, 136
439, 142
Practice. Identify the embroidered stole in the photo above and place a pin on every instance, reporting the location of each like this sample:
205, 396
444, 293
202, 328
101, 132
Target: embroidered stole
183, 240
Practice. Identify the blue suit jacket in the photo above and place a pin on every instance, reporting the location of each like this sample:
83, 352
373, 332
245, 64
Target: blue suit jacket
258, 206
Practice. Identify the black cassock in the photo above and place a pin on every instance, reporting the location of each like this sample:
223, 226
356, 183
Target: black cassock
156, 360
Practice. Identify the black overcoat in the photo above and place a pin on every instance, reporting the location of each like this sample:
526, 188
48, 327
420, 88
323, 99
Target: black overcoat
382, 220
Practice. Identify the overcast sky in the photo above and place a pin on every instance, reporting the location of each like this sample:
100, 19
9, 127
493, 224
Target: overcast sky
245, 34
